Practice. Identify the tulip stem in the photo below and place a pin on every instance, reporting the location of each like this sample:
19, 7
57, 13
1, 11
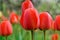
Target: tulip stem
44, 35
32, 34
6, 38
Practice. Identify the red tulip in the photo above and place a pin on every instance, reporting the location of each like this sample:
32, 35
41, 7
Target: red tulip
5, 28
45, 21
31, 19
55, 37
14, 17
25, 5
57, 23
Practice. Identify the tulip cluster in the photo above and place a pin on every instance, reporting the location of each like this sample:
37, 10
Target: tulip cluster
6, 28
30, 20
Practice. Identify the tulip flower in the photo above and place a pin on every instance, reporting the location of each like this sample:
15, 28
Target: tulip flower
45, 22
5, 28
55, 37
31, 20
25, 5
13, 17
57, 23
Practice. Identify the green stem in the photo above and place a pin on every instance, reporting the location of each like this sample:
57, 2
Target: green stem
32, 34
54, 31
44, 35
6, 38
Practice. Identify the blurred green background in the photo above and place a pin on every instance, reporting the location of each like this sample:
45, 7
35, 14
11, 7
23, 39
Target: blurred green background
51, 6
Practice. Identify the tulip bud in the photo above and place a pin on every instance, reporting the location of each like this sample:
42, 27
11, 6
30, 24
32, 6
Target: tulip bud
26, 4
45, 21
57, 23
31, 19
6, 28
55, 37
13, 17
